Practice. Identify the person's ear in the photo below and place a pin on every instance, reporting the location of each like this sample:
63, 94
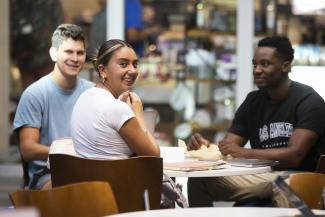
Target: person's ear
101, 70
54, 54
286, 66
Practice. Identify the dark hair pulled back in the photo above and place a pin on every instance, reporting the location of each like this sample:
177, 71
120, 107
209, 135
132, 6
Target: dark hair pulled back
106, 51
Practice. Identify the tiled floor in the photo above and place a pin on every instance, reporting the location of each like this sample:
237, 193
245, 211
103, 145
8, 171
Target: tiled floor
10, 176
10, 179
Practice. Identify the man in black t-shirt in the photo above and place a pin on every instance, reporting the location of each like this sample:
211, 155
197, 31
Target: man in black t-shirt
283, 120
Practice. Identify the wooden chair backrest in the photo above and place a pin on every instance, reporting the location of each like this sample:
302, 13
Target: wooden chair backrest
128, 177
309, 187
320, 168
85, 199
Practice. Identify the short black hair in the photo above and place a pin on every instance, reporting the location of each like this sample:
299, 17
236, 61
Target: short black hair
282, 45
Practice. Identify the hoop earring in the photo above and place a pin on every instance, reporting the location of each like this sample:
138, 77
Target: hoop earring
103, 79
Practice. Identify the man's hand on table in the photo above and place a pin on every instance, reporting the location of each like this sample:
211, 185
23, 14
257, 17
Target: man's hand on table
196, 141
230, 148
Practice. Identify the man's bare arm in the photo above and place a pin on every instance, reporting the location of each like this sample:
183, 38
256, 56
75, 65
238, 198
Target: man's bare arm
30, 147
299, 144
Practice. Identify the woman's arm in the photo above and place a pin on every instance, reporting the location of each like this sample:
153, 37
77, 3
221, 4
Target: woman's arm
135, 132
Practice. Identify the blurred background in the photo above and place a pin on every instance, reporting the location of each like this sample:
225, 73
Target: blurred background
195, 57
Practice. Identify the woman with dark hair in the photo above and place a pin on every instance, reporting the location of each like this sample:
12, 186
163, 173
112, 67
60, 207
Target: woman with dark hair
107, 121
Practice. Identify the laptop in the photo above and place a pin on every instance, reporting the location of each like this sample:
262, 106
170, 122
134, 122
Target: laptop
296, 201
243, 162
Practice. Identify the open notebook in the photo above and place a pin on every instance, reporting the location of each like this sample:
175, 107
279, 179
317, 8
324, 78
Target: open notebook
188, 166
294, 198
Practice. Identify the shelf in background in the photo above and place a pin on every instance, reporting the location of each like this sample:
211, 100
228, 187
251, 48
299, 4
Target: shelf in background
203, 33
213, 127
210, 80
218, 126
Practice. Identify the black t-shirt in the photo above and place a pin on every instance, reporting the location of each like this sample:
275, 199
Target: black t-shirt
268, 124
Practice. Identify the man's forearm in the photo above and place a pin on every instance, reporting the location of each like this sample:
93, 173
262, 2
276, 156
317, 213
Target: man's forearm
34, 152
287, 157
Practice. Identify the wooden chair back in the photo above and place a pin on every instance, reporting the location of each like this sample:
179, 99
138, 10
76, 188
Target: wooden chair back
309, 187
320, 168
87, 199
129, 178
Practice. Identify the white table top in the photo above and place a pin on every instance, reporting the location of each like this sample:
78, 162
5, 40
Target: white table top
228, 171
219, 211
19, 212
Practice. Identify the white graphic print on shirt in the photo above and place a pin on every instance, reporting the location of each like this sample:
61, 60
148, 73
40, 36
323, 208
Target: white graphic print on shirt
275, 130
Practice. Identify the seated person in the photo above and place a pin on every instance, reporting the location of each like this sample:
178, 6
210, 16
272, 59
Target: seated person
45, 106
283, 120
107, 121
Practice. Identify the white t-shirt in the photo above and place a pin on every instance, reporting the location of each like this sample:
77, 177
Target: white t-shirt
95, 123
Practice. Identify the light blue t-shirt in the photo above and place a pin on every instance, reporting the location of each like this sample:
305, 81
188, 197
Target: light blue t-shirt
46, 106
